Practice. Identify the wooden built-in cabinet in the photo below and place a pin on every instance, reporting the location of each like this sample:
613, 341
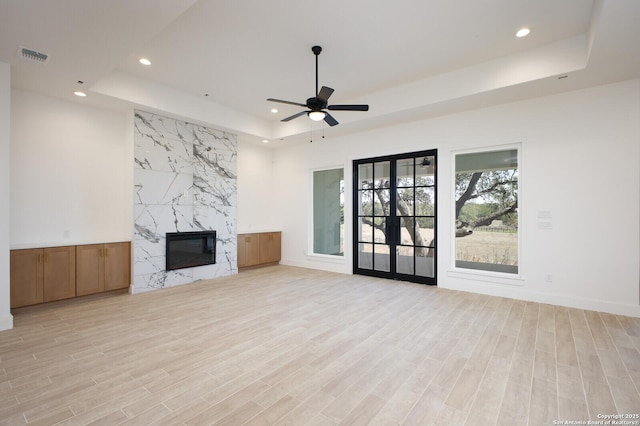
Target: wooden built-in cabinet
46, 274
248, 250
102, 267
42, 275
261, 248
270, 247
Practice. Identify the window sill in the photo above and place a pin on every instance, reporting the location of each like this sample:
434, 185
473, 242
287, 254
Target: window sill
492, 277
326, 258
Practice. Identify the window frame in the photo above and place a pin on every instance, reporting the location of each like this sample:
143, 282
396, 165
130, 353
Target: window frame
333, 258
481, 274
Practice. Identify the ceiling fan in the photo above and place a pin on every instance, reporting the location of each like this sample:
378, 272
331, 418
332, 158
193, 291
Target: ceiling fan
318, 104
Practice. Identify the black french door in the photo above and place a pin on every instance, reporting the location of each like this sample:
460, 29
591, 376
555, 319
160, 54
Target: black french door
394, 217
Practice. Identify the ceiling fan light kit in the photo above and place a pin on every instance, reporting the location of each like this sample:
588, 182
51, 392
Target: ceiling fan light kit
317, 115
319, 103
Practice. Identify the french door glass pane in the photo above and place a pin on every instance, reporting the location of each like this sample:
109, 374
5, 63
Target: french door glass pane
365, 175
404, 173
425, 226
381, 202
404, 202
365, 256
365, 203
382, 174
404, 260
365, 229
378, 234
425, 201
407, 231
425, 173
381, 258
425, 262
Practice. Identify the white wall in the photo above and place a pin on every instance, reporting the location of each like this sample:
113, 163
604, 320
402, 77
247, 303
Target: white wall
6, 320
255, 188
579, 160
71, 173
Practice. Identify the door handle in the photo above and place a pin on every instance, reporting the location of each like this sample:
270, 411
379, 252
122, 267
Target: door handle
387, 230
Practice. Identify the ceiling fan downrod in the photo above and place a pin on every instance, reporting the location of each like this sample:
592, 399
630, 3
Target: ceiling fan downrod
316, 51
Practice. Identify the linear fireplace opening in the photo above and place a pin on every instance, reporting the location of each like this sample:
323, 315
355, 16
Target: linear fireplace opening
189, 249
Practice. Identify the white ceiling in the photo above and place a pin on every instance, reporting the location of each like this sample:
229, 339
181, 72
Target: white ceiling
407, 59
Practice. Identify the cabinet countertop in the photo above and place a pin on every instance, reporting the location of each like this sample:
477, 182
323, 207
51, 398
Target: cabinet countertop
65, 243
258, 231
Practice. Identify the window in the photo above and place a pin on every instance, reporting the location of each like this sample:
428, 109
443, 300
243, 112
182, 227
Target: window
486, 211
328, 212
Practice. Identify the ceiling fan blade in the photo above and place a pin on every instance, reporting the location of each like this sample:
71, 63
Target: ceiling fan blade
348, 107
324, 94
294, 115
328, 118
286, 102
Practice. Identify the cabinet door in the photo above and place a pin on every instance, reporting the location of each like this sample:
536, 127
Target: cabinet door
117, 266
26, 277
90, 269
59, 273
248, 250
270, 247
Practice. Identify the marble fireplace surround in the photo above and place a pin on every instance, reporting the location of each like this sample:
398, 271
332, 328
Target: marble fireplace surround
184, 180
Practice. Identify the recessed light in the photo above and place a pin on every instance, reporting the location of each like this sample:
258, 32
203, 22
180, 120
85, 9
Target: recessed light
274, 110
145, 61
523, 32
265, 141
81, 94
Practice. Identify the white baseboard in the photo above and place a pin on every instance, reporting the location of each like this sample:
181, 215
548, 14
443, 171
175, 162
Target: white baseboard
6, 323
551, 299
509, 291
319, 264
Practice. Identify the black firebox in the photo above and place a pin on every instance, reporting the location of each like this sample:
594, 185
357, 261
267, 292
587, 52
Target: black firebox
189, 249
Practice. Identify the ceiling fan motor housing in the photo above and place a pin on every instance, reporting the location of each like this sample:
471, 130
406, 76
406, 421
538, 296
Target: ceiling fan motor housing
316, 104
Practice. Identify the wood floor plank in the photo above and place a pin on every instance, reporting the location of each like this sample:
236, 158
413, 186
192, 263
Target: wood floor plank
275, 412
625, 395
599, 399
486, 405
307, 411
289, 346
515, 404
543, 409
463, 392
363, 412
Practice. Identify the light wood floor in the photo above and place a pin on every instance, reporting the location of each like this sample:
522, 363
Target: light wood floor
289, 346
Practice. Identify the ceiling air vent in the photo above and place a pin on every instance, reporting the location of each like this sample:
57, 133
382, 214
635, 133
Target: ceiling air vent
33, 55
